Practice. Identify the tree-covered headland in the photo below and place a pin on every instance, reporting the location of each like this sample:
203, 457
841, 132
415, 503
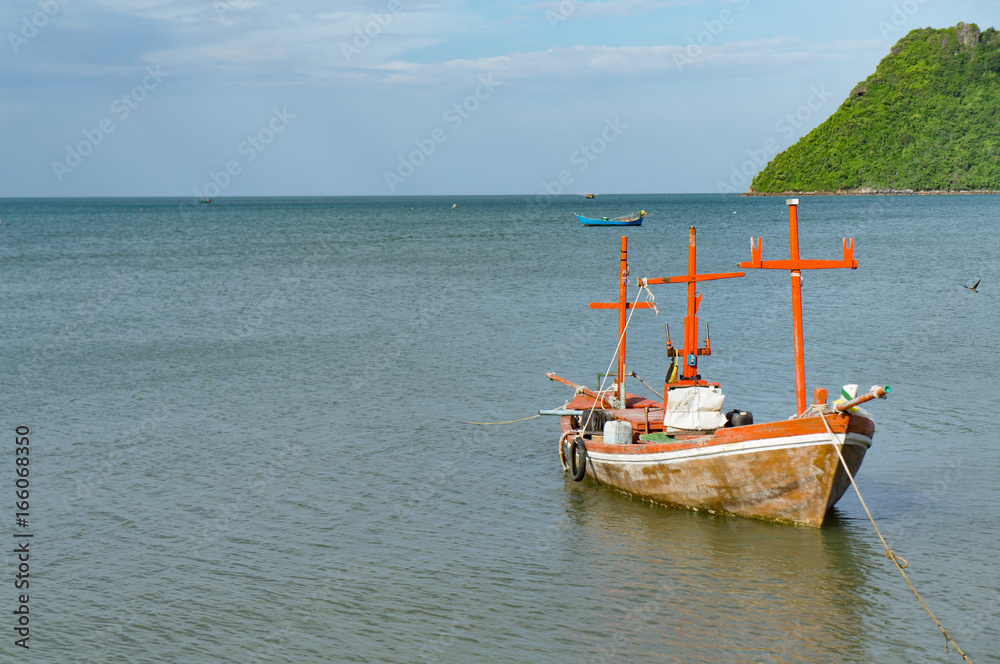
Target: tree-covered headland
928, 119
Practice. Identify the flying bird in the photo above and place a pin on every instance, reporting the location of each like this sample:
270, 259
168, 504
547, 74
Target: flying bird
973, 287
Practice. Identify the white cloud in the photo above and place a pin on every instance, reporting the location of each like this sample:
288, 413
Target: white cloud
607, 7
304, 43
575, 65
312, 55
627, 7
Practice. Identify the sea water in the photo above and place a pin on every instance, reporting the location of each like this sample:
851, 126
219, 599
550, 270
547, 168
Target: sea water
246, 437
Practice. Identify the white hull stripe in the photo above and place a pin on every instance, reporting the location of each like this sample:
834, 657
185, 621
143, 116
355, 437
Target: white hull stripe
745, 447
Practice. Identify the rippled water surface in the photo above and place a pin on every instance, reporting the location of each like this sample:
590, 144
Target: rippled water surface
241, 448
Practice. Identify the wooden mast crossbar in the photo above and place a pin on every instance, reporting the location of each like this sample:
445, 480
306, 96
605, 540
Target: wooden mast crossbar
622, 305
796, 265
691, 350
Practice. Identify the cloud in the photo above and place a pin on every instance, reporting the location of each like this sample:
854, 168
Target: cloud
307, 43
574, 66
628, 7
608, 7
233, 40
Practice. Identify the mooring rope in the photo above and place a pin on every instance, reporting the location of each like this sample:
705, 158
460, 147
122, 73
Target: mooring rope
482, 424
489, 424
600, 390
898, 561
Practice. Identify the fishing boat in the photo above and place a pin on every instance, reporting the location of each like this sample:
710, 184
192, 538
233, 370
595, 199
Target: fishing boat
617, 221
589, 195
683, 451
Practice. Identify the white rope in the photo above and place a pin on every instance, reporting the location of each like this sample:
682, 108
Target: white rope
898, 561
614, 358
649, 296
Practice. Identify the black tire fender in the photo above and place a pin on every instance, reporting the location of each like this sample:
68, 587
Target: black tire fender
577, 459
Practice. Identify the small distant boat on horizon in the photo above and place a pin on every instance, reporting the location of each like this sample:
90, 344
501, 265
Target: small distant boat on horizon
589, 195
204, 199
617, 221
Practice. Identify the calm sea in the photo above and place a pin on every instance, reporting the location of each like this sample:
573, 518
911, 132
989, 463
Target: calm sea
240, 448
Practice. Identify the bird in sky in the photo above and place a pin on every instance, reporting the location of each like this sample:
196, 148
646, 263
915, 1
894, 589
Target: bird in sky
973, 287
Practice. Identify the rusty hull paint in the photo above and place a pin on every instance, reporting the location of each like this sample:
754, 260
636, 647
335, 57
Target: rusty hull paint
793, 484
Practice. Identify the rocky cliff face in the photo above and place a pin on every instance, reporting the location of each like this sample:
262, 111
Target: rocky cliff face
968, 35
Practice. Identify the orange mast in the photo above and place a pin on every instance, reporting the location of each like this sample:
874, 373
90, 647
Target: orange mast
622, 305
691, 350
796, 265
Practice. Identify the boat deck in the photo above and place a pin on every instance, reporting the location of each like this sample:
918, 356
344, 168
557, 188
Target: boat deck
646, 417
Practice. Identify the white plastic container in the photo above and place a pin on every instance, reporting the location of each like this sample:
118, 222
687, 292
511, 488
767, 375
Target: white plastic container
617, 432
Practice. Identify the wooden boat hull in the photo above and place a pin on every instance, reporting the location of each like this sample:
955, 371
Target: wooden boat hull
784, 471
586, 221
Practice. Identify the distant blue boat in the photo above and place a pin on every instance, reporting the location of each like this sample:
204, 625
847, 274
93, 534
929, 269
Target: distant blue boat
620, 221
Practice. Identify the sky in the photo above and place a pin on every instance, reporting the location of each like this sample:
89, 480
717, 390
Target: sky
424, 97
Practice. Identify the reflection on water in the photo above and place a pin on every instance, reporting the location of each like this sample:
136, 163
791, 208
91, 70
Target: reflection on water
680, 586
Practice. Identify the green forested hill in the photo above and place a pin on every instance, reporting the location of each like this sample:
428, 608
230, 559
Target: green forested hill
927, 119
